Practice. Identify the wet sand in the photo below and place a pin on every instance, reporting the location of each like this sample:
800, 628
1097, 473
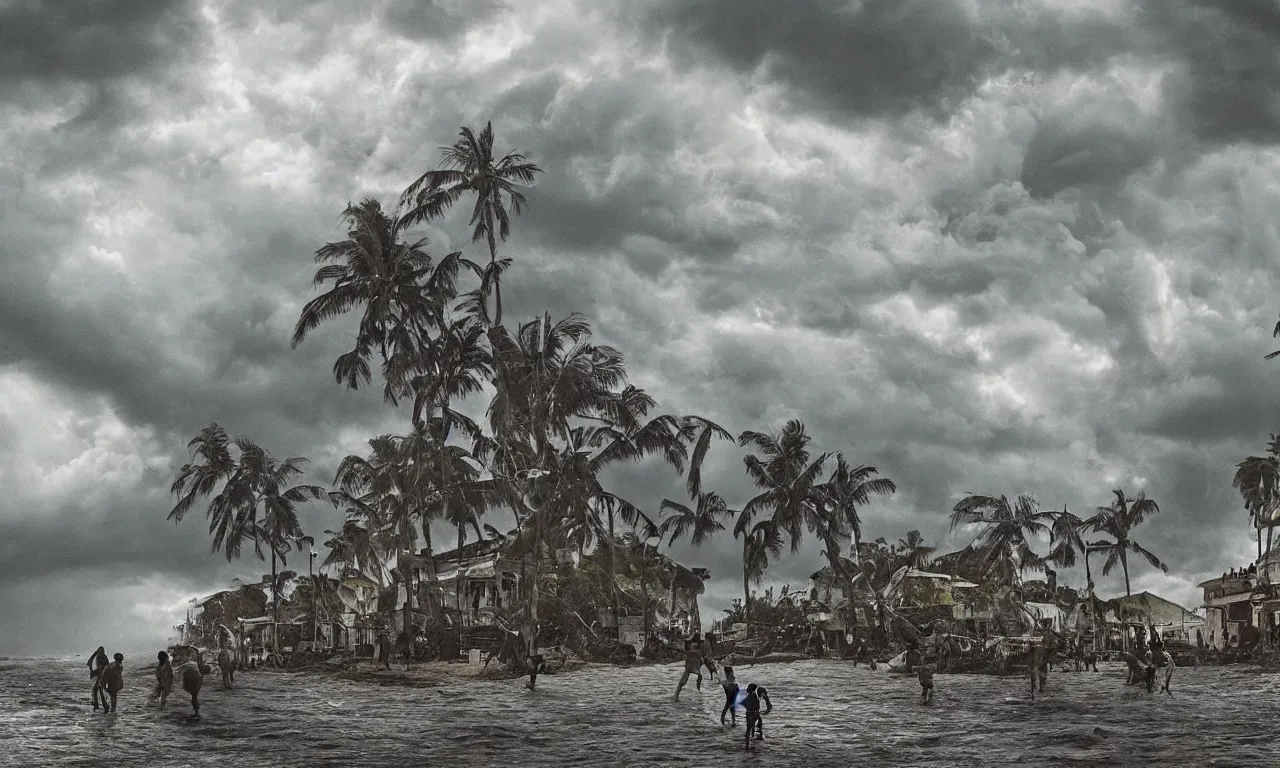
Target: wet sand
826, 713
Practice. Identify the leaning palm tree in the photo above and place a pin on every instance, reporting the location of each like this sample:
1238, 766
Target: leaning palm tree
1003, 543
1257, 479
400, 290
1118, 521
699, 433
469, 167
254, 501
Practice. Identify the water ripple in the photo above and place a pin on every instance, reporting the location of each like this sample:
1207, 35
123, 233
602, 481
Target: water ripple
825, 713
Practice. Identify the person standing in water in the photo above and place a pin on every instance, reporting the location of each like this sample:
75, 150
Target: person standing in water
731, 690
692, 663
164, 678
763, 695
1037, 662
98, 661
111, 681
751, 705
926, 683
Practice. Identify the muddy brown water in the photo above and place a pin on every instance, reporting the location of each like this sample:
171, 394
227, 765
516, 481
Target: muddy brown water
825, 713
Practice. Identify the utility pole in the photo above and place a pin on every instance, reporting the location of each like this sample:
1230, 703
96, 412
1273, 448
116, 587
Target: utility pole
315, 620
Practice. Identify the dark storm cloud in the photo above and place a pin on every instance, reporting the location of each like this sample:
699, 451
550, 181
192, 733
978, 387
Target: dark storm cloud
1075, 149
92, 42
1227, 87
881, 58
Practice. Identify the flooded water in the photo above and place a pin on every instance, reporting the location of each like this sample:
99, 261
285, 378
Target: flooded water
825, 713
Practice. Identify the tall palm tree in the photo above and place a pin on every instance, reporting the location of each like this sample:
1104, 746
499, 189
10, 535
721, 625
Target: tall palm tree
1118, 522
400, 289
912, 551
788, 479
849, 488
626, 433
760, 542
1257, 479
546, 375
1005, 530
469, 167
254, 501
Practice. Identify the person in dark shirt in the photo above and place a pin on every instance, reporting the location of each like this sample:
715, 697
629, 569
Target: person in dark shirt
97, 662
763, 695
731, 690
111, 681
926, 683
751, 705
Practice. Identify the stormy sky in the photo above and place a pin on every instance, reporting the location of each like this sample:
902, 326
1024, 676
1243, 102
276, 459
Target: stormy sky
986, 247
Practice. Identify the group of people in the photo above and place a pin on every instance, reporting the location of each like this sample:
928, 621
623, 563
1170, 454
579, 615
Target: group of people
107, 678
698, 654
1142, 666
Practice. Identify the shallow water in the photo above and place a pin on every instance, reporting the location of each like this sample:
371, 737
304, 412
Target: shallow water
825, 713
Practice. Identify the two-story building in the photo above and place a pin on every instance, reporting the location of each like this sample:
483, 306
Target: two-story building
1241, 604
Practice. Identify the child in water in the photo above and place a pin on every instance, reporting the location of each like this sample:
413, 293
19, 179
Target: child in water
926, 683
164, 678
731, 690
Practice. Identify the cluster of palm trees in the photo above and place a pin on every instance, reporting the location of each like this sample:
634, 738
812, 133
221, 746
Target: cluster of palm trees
559, 415
1003, 550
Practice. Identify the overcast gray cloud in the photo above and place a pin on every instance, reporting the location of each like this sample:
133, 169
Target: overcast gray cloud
987, 250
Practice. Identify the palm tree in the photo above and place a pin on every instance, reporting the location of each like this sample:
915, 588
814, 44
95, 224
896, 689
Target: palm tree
697, 523
1257, 479
1003, 545
1118, 522
760, 542
401, 291
788, 479
466, 167
849, 488
545, 375
912, 551
256, 502
699, 433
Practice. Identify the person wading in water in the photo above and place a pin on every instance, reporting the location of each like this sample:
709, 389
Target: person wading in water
111, 681
692, 663
97, 662
164, 678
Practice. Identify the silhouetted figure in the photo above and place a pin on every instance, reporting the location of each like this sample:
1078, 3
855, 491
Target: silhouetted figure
164, 678
111, 681
98, 661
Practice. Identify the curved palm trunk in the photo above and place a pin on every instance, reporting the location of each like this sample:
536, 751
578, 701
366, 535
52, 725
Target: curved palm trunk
1124, 564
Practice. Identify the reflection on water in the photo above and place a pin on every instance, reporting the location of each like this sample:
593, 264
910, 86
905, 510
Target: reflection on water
825, 713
